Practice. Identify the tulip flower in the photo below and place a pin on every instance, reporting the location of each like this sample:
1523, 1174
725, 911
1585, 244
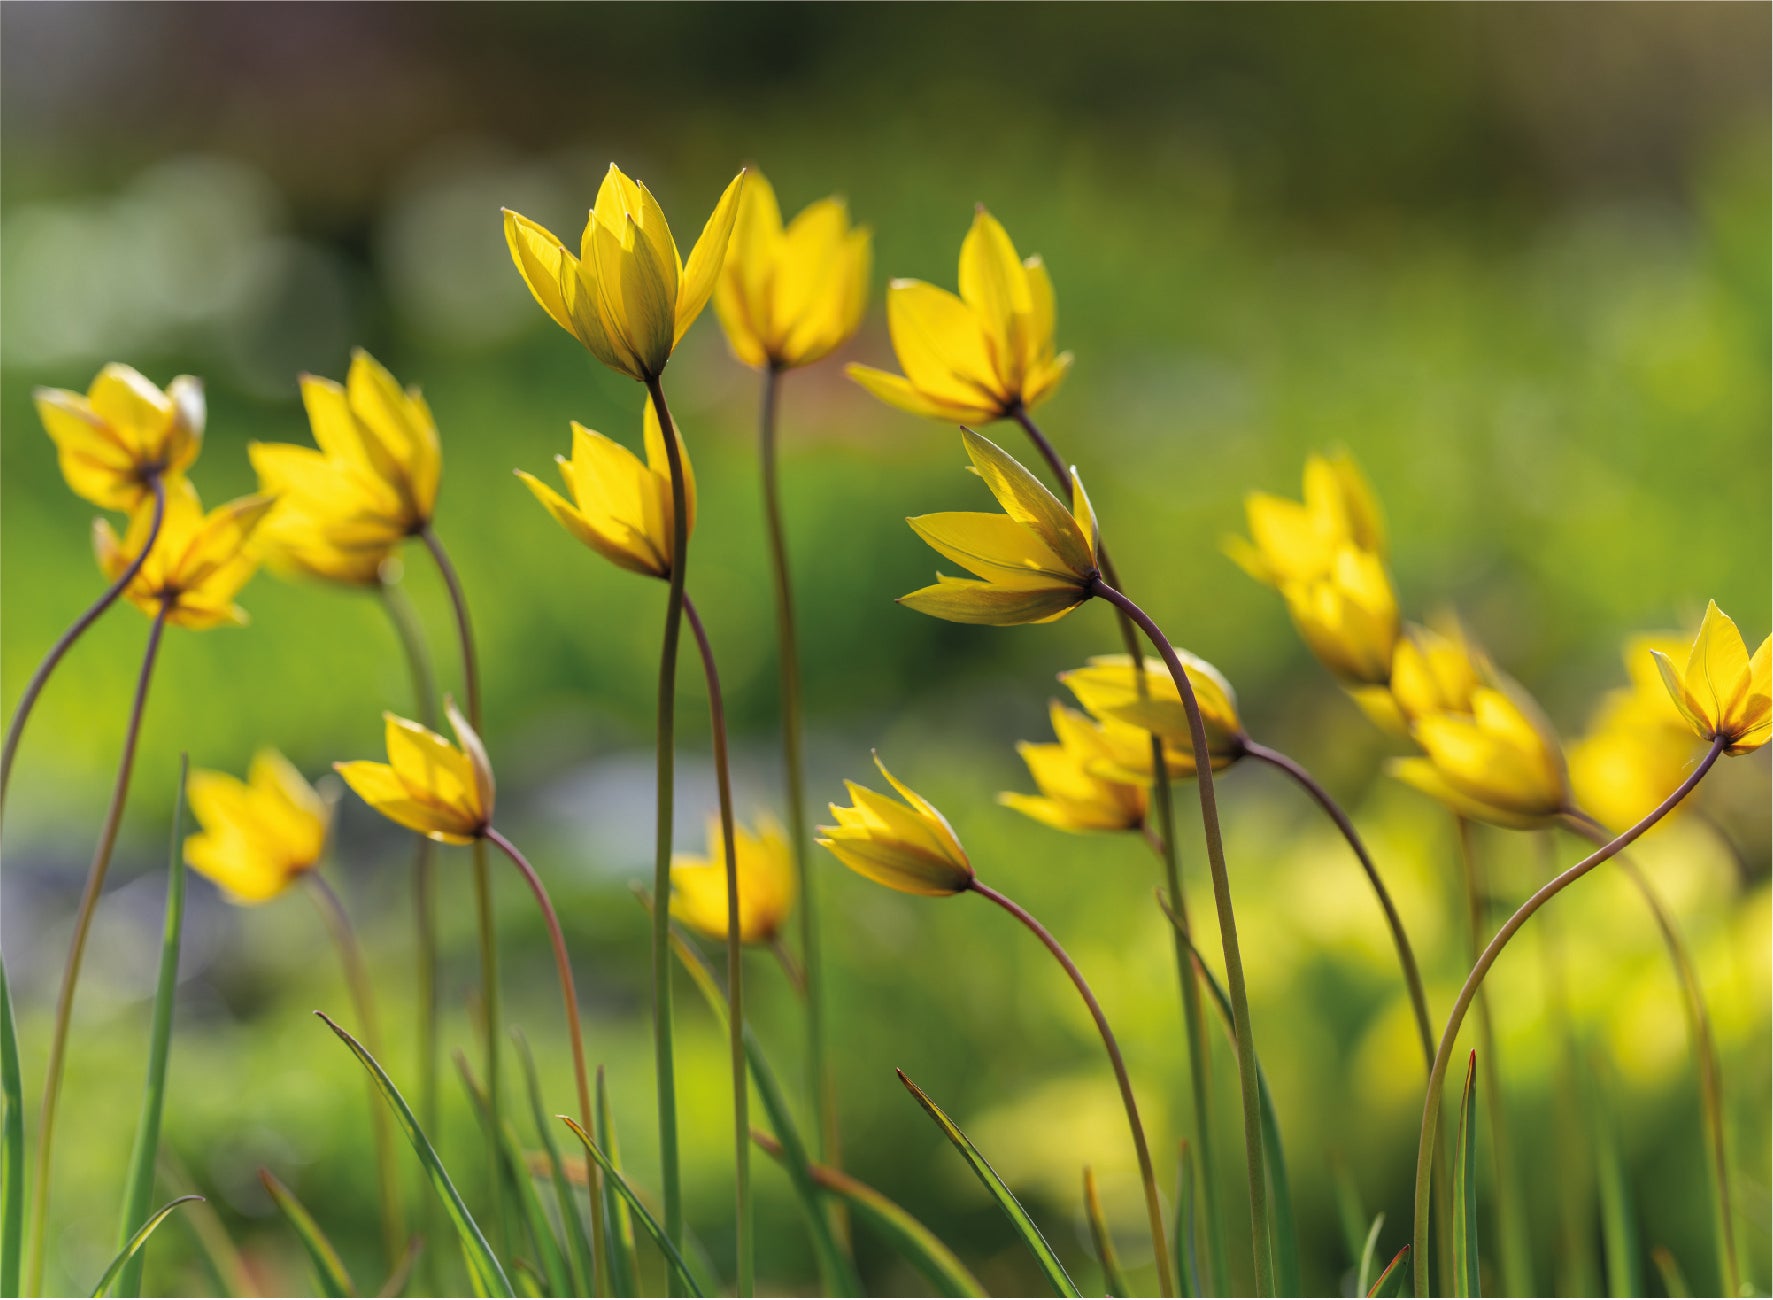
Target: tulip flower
1500, 763
344, 505
1348, 616
979, 356
197, 565
1074, 796
628, 295
1292, 541
906, 846
1035, 562
123, 433
1433, 670
259, 835
1112, 689
1637, 747
1724, 694
766, 884
428, 785
789, 297
621, 508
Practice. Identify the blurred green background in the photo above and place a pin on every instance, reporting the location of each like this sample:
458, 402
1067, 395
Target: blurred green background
1514, 258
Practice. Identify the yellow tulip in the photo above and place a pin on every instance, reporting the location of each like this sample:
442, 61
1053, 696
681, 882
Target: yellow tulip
1724, 693
979, 356
788, 297
1292, 541
766, 883
906, 846
371, 481
428, 785
258, 835
199, 562
1638, 747
1074, 796
1348, 616
1500, 763
1146, 698
122, 433
1035, 562
621, 508
1433, 670
628, 295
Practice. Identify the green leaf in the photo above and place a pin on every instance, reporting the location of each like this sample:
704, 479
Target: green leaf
482, 1264
685, 1280
1112, 1277
12, 1148
139, 1185
624, 1259
1391, 1281
580, 1262
1465, 1263
1006, 1200
520, 1185
1363, 1278
328, 1267
1187, 1257
137, 1240
917, 1243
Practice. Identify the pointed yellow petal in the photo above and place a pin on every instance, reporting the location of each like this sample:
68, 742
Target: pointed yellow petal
961, 601
703, 266
539, 258
1024, 498
896, 390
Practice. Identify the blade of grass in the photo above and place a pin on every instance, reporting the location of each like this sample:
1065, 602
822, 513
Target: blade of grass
1673, 1280
1619, 1238
581, 1261
1187, 1257
1391, 1281
1351, 1215
12, 1148
481, 1261
139, 1186
137, 1240
1363, 1278
219, 1252
1465, 1265
1112, 1278
402, 1270
673, 1258
623, 1260
329, 1269
520, 1186
1025, 1227
529, 1281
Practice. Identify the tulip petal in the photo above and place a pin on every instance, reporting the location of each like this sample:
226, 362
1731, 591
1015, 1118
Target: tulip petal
995, 547
896, 390
703, 266
540, 259
942, 347
1025, 498
961, 601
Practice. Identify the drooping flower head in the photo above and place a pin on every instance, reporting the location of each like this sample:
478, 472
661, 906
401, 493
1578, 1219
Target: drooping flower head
1075, 795
767, 884
621, 508
259, 835
1146, 698
122, 433
370, 482
428, 785
1035, 562
906, 846
1434, 669
1724, 692
1499, 763
197, 565
1637, 747
976, 357
628, 295
790, 296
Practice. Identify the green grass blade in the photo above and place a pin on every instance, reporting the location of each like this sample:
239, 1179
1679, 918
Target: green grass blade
482, 1263
1391, 1282
1673, 1280
1187, 1256
1112, 1278
917, 1243
580, 1265
12, 1148
1465, 1264
334, 1279
673, 1259
220, 1255
520, 1186
137, 1240
1006, 1200
529, 1282
624, 1260
1351, 1215
139, 1186
399, 1275
1363, 1278
1619, 1238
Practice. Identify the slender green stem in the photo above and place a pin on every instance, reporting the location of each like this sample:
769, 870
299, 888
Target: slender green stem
362, 990
745, 1272
1153, 1205
1437, 1074
1711, 1078
64, 643
667, 765
64, 1002
1234, 966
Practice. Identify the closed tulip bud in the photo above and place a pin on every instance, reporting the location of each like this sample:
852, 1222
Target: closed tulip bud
428, 785
198, 563
259, 835
1074, 795
905, 846
1500, 763
122, 433
767, 884
1724, 694
1433, 670
1147, 698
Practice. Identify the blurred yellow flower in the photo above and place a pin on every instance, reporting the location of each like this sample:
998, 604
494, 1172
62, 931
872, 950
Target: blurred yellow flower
1724, 693
122, 433
788, 297
344, 505
1638, 747
1433, 670
620, 508
628, 296
979, 356
1034, 562
766, 883
259, 834
906, 846
1146, 698
1074, 796
1292, 541
1348, 616
1500, 763
199, 563
428, 785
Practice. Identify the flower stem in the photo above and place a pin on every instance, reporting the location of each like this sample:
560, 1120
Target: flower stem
1437, 1073
1234, 966
64, 1002
667, 768
1154, 1207
745, 1271
64, 643
338, 925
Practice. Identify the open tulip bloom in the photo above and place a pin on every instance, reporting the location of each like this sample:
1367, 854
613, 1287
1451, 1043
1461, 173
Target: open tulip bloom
767, 883
1724, 693
428, 785
198, 563
1147, 698
258, 836
114, 440
1075, 795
